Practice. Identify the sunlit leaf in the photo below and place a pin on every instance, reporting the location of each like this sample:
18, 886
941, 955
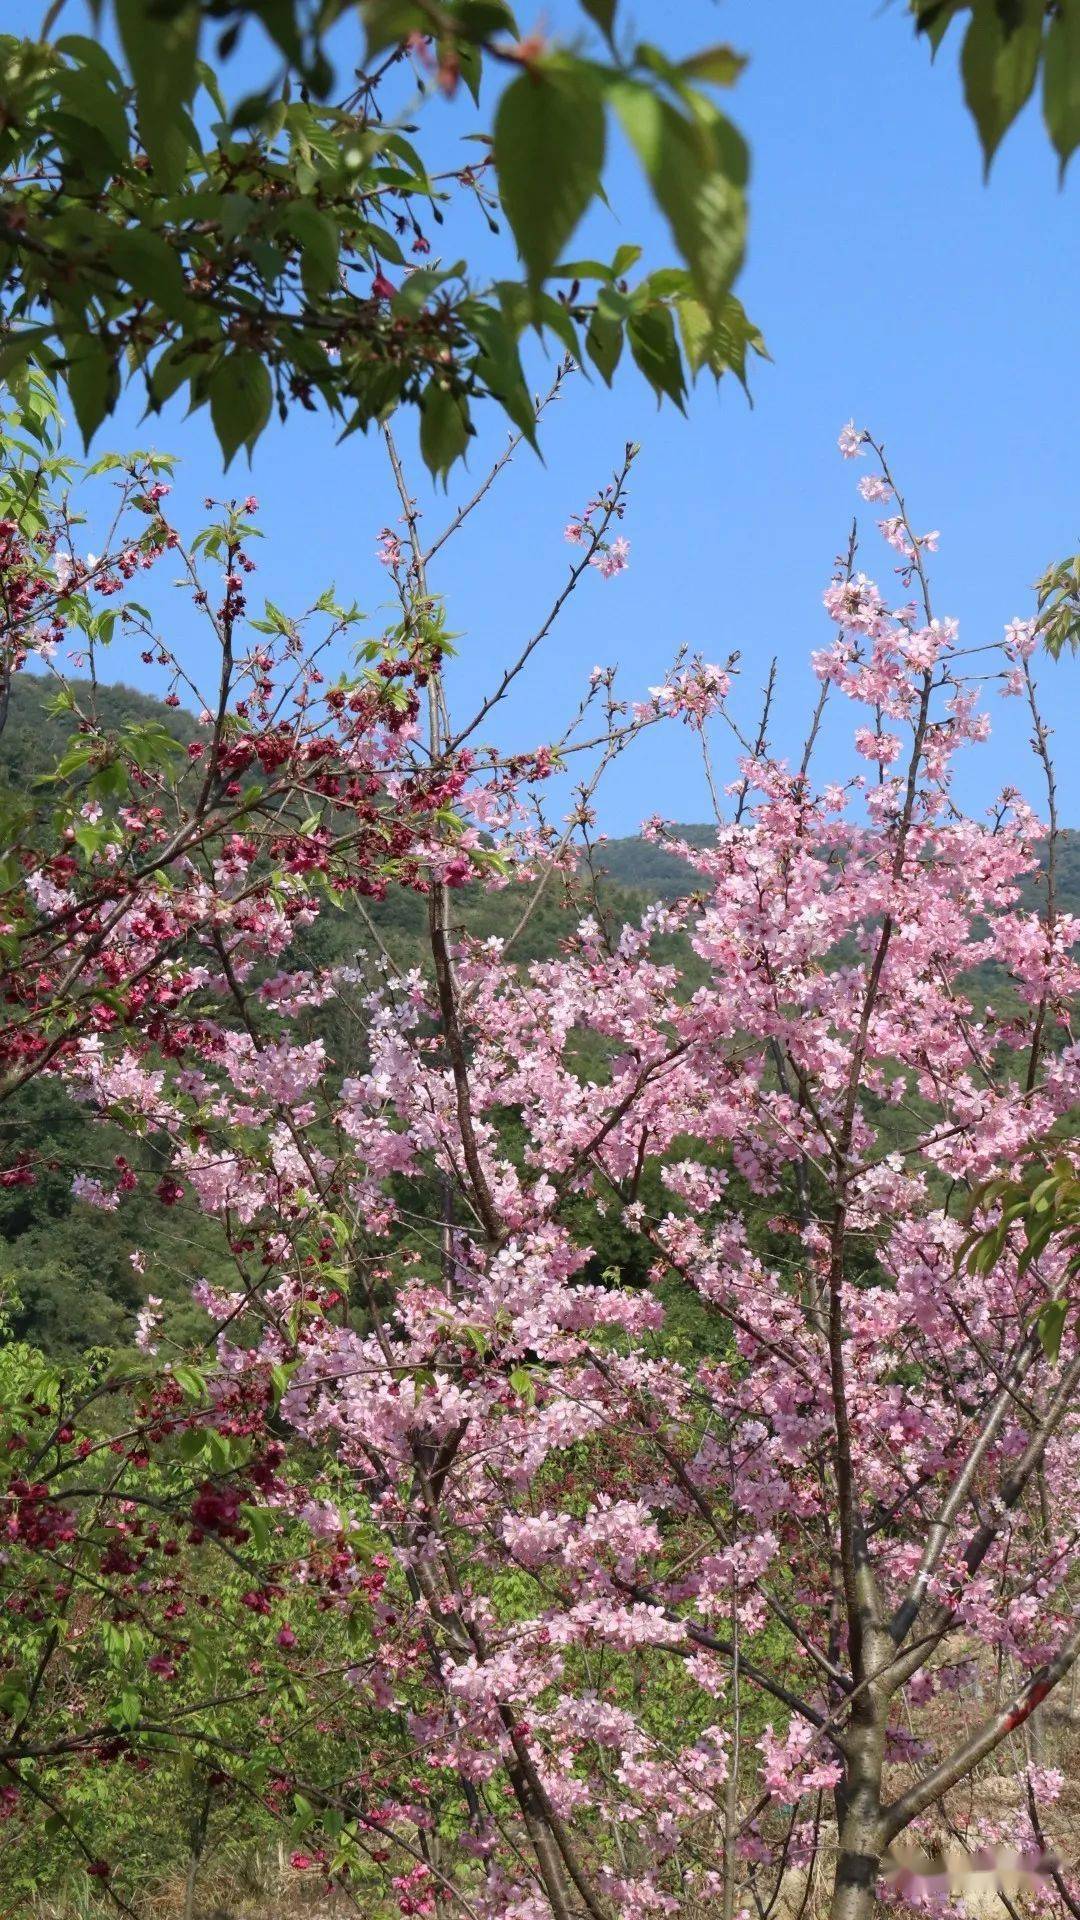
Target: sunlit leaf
549, 152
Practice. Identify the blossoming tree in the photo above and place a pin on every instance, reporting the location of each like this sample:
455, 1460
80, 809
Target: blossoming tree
632, 1625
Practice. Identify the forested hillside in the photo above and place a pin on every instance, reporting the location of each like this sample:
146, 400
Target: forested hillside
643, 866
636, 867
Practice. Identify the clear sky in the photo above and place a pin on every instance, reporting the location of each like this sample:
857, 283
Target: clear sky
891, 285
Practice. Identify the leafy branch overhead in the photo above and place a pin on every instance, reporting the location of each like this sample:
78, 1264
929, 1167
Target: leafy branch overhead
283, 249
1007, 46
1058, 591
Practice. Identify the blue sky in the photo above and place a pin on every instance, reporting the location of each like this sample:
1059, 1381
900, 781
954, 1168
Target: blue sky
891, 285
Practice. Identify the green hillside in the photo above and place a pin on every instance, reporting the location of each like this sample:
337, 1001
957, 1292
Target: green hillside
639, 865
34, 738
34, 735
635, 869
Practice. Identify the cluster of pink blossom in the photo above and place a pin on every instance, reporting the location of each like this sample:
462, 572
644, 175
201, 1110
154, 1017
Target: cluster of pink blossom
588, 530
695, 693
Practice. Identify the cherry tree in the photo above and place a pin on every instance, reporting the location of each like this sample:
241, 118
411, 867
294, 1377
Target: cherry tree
144, 879
636, 1624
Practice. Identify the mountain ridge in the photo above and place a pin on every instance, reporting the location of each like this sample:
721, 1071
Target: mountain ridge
631, 864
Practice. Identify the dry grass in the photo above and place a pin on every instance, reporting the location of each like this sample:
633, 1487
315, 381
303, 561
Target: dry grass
247, 1885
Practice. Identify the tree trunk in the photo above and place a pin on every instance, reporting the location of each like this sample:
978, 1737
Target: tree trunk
198, 1843
189, 1886
859, 1822
857, 1869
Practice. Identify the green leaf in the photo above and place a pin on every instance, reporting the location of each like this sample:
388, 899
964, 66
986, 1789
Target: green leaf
1051, 1327
150, 267
236, 213
603, 12
934, 17
582, 270
470, 66
88, 53
177, 364
667, 283
482, 19
268, 260
240, 401
18, 347
444, 428
1061, 80
190, 1381
414, 292
13, 1696
320, 244
695, 329
656, 352
93, 383
260, 1523
721, 65
626, 256
549, 152
1038, 1238
697, 169
178, 145
720, 344
551, 314
388, 22
162, 60
604, 344
129, 1708
89, 838
499, 367
88, 95
999, 62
